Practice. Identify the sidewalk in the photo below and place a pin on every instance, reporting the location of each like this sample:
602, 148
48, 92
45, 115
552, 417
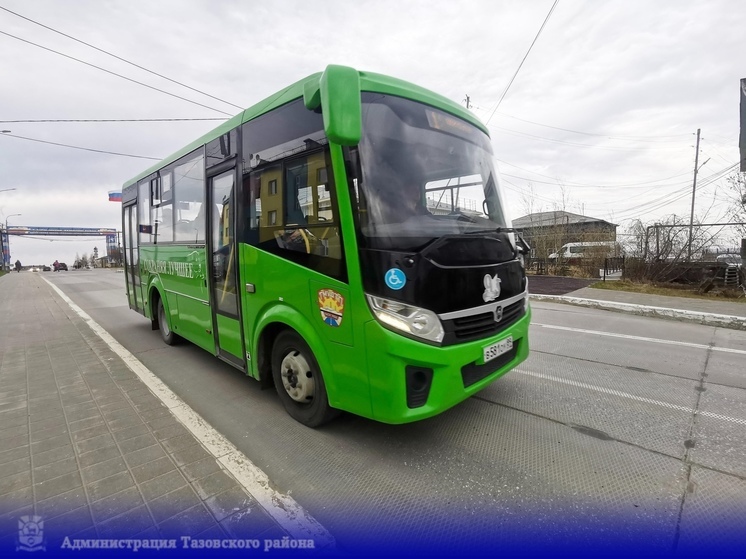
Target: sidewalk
86, 445
723, 313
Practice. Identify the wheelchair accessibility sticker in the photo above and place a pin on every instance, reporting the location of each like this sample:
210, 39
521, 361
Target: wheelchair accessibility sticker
395, 279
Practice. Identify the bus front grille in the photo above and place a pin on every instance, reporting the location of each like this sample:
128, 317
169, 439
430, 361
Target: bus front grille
482, 325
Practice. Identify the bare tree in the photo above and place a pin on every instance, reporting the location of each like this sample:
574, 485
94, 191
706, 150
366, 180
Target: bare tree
736, 192
659, 250
529, 200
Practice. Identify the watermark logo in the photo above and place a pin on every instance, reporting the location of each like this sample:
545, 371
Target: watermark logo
31, 533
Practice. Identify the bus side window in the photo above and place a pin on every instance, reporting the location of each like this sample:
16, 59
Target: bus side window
145, 231
189, 195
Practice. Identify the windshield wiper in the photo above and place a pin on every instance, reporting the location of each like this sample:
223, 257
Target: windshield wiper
488, 230
493, 230
524, 247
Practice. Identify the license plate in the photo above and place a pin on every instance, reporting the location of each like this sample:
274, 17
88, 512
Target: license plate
497, 349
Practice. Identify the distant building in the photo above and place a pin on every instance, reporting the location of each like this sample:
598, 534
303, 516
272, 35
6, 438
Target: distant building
546, 232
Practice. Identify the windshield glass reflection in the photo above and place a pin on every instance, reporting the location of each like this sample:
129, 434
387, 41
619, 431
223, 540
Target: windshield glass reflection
422, 174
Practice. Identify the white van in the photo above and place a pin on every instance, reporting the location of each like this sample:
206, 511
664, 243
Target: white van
571, 251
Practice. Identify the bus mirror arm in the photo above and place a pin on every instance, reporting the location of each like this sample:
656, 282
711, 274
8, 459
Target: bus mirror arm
522, 246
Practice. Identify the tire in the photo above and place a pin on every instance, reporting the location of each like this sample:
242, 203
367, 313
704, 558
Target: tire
299, 382
167, 334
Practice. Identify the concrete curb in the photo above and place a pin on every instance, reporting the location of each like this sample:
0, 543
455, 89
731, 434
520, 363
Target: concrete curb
709, 319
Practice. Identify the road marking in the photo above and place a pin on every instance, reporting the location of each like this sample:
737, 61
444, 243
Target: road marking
620, 394
641, 338
282, 508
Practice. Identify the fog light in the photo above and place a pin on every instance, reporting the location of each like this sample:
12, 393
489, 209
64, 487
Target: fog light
419, 380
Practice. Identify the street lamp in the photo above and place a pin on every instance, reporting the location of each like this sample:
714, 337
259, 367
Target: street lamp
8, 234
7, 189
8, 217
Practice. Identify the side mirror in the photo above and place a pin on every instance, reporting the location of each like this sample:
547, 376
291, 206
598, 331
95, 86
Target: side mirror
338, 94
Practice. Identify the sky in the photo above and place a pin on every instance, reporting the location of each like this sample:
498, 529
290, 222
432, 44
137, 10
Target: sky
600, 118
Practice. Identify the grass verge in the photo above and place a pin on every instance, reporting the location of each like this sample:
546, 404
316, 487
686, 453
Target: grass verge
729, 295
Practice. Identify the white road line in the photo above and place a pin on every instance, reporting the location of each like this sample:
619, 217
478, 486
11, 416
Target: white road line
641, 338
282, 508
620, 394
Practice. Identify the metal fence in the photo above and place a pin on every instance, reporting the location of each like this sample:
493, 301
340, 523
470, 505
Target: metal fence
600, 268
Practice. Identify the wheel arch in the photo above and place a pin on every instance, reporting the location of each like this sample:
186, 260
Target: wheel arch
155, 294
274, 321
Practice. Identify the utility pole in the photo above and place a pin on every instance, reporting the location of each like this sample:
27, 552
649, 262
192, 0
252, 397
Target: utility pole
694, 190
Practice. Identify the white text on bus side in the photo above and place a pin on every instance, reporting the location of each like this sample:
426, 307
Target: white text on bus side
181, 269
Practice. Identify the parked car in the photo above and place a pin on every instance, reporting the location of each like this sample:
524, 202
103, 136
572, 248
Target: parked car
574, 251
61, 266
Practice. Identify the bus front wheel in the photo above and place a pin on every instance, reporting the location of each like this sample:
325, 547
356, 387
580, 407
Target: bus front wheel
166, 333
298, 381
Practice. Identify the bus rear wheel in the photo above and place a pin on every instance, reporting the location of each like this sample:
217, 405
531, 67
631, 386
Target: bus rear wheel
166, 333
298, 381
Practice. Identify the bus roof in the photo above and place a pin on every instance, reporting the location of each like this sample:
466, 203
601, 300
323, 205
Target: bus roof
369, 81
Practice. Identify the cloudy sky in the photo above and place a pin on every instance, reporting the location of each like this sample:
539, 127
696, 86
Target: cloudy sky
601, 119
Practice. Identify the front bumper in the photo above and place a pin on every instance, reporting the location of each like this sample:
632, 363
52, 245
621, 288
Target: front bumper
457, 371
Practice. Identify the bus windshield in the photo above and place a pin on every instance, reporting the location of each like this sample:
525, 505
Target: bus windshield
423, 173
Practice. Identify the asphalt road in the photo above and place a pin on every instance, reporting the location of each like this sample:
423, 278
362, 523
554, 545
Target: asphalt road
617, 429
557, 285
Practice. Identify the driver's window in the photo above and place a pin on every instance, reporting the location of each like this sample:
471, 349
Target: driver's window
292, 207
309, 199
289, 207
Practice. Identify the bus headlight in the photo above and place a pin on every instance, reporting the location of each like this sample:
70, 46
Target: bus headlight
411, 320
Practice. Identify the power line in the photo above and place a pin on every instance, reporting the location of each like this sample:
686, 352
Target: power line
679, 194
649, 206
524, 59
519, 190
558, 182
612, 148
120, 58
651, 139
713, 146
115, 74
584, 185
81, 148
609, 136
35, 121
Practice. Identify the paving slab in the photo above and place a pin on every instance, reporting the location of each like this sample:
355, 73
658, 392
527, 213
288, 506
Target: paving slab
87, 446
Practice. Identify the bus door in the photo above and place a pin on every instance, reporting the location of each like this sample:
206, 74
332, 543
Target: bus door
132, 268
222, 264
